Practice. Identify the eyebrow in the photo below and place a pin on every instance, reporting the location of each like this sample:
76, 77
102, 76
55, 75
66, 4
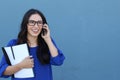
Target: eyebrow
35, 20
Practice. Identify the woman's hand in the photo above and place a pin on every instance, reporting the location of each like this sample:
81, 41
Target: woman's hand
28, 62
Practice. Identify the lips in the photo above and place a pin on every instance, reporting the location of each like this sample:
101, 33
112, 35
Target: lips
35, 31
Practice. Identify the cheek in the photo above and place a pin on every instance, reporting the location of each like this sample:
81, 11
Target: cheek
40, 29
28, 29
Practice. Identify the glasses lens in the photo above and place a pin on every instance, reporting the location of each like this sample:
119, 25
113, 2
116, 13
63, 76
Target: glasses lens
31, 22
39, 23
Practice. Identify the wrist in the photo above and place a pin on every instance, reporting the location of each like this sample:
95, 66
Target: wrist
19, 65
48, 39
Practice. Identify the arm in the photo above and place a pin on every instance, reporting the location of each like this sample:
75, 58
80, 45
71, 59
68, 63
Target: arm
12, 69
47, 38
26, 63
59, 59
52, 48
57, 56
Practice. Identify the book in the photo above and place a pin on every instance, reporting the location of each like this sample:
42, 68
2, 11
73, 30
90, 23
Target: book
14, 55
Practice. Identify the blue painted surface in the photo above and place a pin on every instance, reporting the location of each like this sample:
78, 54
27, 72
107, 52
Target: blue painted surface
88, 32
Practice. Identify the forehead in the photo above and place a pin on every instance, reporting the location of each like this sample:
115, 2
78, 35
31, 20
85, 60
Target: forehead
35, 17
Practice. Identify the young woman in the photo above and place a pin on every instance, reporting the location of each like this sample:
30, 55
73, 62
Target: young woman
35, 32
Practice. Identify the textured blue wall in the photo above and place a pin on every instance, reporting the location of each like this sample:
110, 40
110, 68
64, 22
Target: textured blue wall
88, 32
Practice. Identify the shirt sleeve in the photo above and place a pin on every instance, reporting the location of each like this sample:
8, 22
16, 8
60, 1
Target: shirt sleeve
59, 59
3, 63
3, 66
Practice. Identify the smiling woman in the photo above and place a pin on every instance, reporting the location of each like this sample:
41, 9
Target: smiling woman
33, 29
41, 46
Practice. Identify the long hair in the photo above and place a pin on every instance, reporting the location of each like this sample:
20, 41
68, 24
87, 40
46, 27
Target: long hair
42, 50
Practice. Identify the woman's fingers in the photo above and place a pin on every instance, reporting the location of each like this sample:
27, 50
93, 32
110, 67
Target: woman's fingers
28, 62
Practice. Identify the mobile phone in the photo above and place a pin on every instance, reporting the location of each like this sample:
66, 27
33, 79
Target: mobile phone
44, 31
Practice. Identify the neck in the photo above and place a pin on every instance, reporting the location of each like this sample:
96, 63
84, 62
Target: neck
32, 41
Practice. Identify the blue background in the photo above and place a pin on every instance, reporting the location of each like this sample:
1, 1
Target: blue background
87, 31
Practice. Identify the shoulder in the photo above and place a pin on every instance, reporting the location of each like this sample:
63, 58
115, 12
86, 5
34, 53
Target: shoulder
12, 42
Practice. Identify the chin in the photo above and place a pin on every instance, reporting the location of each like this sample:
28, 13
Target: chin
35, 35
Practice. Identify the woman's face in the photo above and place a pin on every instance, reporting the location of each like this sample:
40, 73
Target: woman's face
34, 25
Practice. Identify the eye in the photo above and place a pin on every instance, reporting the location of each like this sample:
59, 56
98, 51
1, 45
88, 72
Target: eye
31, 22
40, 22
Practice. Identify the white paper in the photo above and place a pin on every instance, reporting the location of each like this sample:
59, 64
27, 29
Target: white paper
20, 52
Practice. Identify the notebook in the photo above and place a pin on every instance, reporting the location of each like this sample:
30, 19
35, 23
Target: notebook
14, 55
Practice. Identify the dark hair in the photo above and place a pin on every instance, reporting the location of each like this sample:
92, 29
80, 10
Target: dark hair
42, 50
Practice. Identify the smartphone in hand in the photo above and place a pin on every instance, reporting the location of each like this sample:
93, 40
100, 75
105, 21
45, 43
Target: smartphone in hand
44, 31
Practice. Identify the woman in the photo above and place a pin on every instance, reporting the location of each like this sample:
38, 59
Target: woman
35, 32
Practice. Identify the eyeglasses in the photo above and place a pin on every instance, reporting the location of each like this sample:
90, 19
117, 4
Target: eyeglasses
32, 23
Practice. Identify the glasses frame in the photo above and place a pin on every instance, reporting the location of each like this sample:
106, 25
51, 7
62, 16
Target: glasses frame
33, 23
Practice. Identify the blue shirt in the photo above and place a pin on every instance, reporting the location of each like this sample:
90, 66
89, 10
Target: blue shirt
41, 72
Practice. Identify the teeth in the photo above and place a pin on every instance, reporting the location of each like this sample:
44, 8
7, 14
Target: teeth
35, 30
